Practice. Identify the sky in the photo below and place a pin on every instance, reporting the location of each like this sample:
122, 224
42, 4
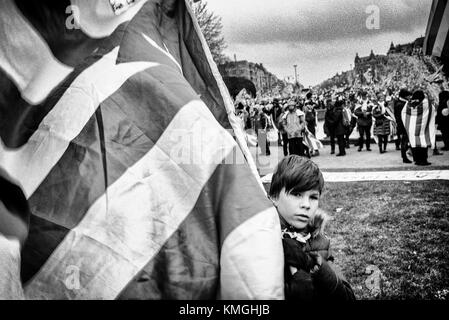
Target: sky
321, 37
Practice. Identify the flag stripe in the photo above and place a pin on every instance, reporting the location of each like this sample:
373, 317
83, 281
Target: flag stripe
31, 164
442, 33
24, 46
241, 252
129, 134
434, 24
427, 133
43, 238
445, 51
418, 124
428, 27
171, 274
406, 114
77, 181
119, 236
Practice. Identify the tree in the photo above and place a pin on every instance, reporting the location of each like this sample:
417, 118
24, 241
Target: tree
211, 27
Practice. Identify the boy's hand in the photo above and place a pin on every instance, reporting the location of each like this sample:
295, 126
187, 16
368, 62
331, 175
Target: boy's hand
318, 261
295, 255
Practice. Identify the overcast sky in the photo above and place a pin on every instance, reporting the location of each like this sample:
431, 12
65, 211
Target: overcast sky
320, 36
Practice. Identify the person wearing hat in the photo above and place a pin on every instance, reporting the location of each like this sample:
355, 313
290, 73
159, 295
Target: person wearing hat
402, 140
363, 111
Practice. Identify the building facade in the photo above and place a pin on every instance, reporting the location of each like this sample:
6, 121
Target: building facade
263, 80
365, 68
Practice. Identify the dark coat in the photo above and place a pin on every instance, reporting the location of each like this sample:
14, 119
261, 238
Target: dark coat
339, 126
381, 124
364, 119
326, 283
441, 120
398, 106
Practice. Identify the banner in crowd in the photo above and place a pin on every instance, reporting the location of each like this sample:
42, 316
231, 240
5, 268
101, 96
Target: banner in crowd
123, 138
419, 122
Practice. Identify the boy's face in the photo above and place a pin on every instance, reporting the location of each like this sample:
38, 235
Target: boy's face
297, 210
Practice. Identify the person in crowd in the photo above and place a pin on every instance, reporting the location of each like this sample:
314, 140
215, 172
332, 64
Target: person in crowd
330, 123
309, 110
417, 114
265, 122
382, 123
310, 116
294, 124
339, 127
248, 124
309, 272
282, 131
442, 118
363, 111
402, 141
349, 108
276, 113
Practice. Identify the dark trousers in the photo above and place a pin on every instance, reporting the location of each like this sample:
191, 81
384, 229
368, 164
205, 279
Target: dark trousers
419, 155
332, 137
285, 143
383, 141
445, 134
295, 146
341, 144
398, 140
364, 131
404, 145
263, 142
348, 132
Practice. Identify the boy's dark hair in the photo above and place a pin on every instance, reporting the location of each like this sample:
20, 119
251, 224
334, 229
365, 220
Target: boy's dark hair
296, 174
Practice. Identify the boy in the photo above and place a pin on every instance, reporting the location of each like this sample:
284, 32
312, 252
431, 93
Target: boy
309, 274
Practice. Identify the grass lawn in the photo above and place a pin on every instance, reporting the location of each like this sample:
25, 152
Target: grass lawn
400, 229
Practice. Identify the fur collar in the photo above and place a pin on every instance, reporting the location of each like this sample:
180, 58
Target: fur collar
315, 227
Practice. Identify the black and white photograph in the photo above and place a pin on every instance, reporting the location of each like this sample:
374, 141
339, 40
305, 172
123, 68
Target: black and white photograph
244, 151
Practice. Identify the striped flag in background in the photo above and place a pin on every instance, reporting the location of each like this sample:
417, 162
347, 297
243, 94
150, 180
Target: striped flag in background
436, 40
137, 187
419, 122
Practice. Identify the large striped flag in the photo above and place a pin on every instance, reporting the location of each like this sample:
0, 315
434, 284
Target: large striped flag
436, 40
419, 122
123, 138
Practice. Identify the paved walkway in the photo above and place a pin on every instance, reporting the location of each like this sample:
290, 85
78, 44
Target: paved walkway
379, 176
363, 166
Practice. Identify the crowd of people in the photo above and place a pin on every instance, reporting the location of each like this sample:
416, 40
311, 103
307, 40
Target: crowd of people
377, 115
